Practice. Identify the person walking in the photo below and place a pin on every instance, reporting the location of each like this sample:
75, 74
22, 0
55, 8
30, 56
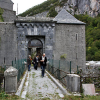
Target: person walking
33, 62
43, 61
36, 61
29, 62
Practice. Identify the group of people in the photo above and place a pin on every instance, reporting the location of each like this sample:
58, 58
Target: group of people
42, 60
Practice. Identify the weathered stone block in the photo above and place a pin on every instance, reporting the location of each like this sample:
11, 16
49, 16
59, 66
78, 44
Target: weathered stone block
88, 89
11, 80
73, 82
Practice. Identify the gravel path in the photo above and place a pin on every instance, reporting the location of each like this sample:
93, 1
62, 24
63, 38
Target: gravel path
38, 88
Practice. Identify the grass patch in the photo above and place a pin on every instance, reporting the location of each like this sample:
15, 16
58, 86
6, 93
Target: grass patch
97, 90
27, 95
33, 75
4, 96
81, 98
40, 95
45, 98
39, 92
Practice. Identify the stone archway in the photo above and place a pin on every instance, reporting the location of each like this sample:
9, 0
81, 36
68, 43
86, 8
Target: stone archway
35, 45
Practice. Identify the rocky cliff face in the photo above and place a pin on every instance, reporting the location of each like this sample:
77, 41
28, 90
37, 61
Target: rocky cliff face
90, 7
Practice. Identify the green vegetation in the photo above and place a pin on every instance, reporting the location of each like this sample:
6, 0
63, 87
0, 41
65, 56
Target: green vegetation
33, 74
52, 12
4, 96
1, 12
48, 5
63, 56
61, 4
2, 69
81, 98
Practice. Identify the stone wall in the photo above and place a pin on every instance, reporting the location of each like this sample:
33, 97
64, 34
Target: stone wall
6, 4
57, 40
70, 40
8, 15
8, 43
42, 31
14, 38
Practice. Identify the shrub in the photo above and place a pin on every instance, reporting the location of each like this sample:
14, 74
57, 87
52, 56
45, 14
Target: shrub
63, 56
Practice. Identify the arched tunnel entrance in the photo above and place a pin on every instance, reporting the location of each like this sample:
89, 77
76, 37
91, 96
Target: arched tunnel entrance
35, 46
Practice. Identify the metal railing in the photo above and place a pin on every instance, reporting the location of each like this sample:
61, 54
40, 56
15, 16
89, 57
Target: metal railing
60, 68
20, 65
64, 65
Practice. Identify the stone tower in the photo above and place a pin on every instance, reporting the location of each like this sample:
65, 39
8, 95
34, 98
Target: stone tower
8, 14
6, 4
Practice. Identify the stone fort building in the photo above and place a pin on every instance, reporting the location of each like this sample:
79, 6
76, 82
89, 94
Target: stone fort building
63, 34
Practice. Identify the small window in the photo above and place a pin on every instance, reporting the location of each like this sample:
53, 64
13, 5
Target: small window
76, 55
4, 60
15, 60
76, 36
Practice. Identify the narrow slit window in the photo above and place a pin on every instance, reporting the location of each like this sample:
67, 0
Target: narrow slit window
4, 60
76, 36
76, 55
15, 60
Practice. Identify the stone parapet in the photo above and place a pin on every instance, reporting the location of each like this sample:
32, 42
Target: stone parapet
19, 18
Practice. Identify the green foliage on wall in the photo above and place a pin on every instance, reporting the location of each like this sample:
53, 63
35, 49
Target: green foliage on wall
1, 12
63, 56
92, 36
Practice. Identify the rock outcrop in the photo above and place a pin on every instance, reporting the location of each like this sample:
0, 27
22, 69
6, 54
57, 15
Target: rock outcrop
90, 7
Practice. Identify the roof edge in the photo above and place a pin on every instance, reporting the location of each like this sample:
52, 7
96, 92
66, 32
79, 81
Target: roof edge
72, 23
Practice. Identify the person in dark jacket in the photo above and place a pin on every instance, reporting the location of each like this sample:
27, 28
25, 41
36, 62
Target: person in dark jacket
43, 61
29, 62
33, 62
36, 61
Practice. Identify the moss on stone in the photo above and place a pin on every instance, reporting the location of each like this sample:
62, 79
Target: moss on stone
1, 18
